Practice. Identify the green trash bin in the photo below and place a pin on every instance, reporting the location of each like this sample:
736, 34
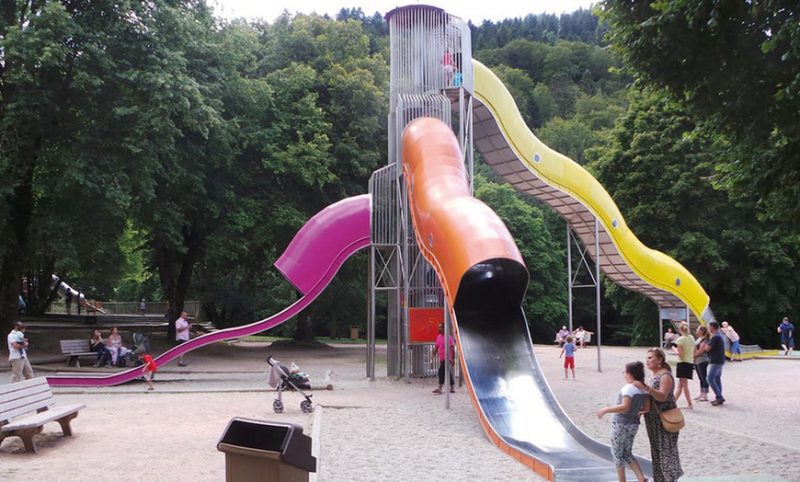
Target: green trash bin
257, 451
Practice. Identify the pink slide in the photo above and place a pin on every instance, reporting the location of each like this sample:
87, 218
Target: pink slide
312, 259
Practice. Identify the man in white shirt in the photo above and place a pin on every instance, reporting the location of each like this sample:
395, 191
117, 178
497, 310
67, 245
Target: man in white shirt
736, 349
182, 333
17, 353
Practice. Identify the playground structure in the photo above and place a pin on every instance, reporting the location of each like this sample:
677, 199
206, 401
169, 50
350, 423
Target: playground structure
68, 292
432, 245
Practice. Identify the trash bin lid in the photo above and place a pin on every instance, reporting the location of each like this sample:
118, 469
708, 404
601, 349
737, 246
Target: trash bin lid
263, 438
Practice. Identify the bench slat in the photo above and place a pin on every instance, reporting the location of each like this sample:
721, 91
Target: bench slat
11, 409
25, 392
38, 419
75, 346
15, 387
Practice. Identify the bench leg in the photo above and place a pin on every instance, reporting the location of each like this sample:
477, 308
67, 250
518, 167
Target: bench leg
64, 422
27, 437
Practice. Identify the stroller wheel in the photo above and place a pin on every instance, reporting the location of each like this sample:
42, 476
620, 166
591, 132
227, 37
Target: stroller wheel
306, 407
277, 406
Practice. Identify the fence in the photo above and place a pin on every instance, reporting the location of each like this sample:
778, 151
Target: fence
151, 308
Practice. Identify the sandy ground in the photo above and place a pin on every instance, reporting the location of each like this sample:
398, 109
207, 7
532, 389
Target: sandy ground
387, 429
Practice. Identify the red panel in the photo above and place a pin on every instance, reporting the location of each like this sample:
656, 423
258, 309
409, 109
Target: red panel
424, 323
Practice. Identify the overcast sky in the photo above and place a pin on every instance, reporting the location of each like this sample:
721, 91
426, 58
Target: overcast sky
465, 9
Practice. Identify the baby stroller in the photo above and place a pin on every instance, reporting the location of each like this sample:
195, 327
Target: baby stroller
141, 344
281, 378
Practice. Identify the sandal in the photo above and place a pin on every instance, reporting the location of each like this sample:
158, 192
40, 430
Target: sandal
452, 390
437, 391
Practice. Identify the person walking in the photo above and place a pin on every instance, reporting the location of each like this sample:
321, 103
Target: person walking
182, 327
701, 361
18, 353
716, 357
149, 368
786, 329
438, 349
68, 301
630, 403
568, 350
684, 346
733, 337
663, 444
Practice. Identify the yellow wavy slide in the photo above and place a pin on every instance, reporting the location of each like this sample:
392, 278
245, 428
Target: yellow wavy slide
514, 152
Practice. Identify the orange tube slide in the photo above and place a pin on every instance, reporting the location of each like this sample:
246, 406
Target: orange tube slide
454, 230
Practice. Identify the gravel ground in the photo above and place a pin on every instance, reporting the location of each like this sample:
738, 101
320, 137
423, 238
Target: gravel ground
386, 429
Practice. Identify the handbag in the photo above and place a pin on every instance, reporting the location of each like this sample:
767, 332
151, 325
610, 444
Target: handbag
672, 420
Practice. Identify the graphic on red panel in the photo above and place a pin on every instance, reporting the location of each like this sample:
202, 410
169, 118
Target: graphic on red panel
424, 322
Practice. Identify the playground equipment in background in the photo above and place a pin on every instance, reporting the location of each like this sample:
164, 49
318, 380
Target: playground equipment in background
73, 295
310, 261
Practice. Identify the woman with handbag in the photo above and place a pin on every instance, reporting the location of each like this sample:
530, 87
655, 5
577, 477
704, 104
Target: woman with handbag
663, 443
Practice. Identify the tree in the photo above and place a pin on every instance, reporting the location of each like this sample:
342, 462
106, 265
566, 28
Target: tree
310, 130
744, 82
80, 89
659, 168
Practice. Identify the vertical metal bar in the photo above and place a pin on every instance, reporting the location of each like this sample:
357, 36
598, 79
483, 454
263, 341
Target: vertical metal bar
404, 299
689, 320
447, 324
371, 317
569, 273
471, 154
597, 288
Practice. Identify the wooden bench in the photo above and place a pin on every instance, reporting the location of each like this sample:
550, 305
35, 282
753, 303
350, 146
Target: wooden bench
74, 349
26, 406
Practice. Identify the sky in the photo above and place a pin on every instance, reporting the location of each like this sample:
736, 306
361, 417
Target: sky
464, 9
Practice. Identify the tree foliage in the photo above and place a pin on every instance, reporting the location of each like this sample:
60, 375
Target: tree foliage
658, 167
735, 65
151, 150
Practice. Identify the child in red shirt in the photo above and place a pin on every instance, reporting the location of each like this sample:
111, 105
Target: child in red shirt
148, 369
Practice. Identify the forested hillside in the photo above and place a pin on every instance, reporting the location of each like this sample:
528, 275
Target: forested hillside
152, 150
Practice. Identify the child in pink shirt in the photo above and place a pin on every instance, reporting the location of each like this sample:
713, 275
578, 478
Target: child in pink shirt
439, 349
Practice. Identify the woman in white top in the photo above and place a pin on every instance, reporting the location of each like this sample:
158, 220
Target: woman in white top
115, 347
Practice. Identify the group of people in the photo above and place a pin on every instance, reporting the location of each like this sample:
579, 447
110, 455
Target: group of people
704, 354
110, 352
649, 398
580, 336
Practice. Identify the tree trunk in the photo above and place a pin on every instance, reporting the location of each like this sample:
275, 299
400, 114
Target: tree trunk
304, 330
175, 289
20, 211
9, 292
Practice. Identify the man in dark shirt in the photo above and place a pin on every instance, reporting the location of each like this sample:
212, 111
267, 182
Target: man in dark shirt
716, 357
